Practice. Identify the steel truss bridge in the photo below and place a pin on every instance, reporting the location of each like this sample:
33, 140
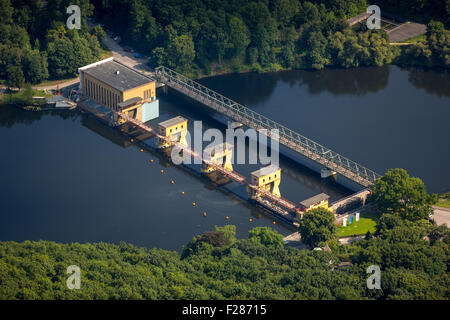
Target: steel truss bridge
291, 139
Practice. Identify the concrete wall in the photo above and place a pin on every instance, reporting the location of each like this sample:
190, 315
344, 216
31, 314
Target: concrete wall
351, 202
150, 110
145, 91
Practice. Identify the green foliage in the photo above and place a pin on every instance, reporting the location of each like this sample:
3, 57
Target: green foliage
267, 237
222, 267
397, 192
56, 52
317, 227
433, 52
412, 267
223, 36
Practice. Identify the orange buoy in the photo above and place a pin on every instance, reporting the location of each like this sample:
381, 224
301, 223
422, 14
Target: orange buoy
151, 161
193, 203
162, 171
273, 222
172, 182
227, 217
142, 150
250, 220
132, 140
182, 192
204, 214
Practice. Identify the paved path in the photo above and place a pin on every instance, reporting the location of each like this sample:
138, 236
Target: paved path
127, 58
406, 31
441, 216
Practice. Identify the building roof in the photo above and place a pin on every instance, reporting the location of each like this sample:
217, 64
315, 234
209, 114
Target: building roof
129, 102
171, 122
265, 171
117, 75
314, 200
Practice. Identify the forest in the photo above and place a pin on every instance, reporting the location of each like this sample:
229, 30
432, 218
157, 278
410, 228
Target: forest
411, 251
35, 44
209, 37
204, 37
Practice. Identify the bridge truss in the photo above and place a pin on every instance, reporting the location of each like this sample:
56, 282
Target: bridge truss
293, 140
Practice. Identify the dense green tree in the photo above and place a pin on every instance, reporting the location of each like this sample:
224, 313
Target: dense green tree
397, 192
267, 237
15, 77
239, 35
218, 266
271, 35
317, 227
35, 66
181, 52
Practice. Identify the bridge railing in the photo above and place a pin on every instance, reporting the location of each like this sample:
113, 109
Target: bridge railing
232, 108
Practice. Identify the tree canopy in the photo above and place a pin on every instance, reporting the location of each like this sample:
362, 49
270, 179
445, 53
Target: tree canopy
397, 192
204, 36
36, 45
219, 266
317, 227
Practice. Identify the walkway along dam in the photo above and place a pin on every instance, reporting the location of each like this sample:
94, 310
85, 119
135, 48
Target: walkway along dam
118, 94
324, 156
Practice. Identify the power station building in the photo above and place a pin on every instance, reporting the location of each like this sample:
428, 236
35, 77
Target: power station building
120, 88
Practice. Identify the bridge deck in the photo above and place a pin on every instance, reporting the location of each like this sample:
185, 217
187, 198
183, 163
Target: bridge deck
252, 119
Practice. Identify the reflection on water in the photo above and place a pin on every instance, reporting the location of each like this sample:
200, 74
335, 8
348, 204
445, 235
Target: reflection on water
379, 117
67, 177
432, 81
253, 88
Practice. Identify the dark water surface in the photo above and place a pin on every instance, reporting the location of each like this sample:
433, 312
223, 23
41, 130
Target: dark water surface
380, 117
65, 177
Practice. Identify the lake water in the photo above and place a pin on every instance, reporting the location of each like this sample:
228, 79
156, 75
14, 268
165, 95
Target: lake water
66, 177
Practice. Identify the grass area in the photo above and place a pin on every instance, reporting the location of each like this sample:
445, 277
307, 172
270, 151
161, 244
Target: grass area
416, 39
444, 204
367, 222
444, 200
24, 96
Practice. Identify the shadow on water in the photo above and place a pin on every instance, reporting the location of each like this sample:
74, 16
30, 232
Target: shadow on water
254, 88
10, 115
432, 81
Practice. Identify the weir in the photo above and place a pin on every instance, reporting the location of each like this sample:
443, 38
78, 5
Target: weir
328, 158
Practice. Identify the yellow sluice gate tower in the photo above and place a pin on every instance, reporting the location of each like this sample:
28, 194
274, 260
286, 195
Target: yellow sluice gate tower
267, 178
220, 154
318, 201
174, 129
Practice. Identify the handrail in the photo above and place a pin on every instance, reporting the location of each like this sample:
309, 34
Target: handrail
233, 109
